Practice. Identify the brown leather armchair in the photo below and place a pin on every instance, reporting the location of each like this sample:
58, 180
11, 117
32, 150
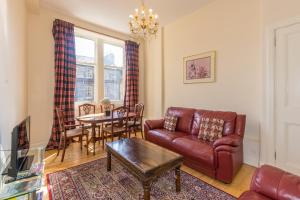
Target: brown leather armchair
221, 159
270, 183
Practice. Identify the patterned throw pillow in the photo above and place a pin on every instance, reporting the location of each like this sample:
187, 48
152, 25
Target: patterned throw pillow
170, 122
211, 129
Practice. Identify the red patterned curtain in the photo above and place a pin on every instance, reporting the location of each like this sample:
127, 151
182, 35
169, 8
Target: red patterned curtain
65, 76
132, 75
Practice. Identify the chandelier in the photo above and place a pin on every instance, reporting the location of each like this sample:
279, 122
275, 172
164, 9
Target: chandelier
143, 22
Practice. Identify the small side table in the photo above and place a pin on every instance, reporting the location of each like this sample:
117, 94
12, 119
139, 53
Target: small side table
28, 182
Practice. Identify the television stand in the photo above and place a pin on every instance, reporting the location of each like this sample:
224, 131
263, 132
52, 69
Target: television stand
24, 163
28, 182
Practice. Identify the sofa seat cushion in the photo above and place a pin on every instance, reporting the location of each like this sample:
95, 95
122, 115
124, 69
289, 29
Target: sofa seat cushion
251, 195
193, 148
164, 137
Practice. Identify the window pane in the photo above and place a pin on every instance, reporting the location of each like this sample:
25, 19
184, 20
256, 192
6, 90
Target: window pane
85, 50
84, 83
113, 55
113, 83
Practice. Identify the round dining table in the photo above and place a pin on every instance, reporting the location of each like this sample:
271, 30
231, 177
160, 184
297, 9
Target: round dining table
96, 119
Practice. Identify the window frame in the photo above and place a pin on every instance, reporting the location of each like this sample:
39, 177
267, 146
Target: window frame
99, 66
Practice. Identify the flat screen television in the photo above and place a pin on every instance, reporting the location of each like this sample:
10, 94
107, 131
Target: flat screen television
20, 143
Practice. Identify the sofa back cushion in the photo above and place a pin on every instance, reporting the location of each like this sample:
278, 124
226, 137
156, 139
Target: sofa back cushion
185, 118
228, 117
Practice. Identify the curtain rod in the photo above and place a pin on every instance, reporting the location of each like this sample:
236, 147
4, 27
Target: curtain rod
115, 37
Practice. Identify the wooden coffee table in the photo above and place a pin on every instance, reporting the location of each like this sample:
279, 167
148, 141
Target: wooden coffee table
145, 160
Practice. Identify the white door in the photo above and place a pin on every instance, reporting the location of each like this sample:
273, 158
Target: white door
287, 98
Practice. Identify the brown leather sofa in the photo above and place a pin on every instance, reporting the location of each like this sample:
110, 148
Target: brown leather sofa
270, 183
220, 160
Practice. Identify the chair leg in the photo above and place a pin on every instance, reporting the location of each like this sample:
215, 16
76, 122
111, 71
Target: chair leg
64, 151
80, 138
87, 144
129, 133
142, 133
59, 145
99, 133
102, 135
134, 129
105, 136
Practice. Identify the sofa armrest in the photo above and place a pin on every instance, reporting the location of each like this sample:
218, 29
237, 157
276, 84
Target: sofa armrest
240, 125
154, 124
228, 153
231, 140
227, 148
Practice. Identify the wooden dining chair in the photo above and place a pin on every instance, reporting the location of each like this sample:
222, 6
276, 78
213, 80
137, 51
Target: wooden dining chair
68, 132
112, 106
86, 109
136, 124
118, 124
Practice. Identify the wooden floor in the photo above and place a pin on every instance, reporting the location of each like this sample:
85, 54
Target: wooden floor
75, 157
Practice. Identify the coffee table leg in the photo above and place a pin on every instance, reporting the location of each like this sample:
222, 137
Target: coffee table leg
177, 173
108, 161
146, 186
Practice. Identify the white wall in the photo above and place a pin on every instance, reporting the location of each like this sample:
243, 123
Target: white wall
13, 76
275, 11
41, 69
232, 28
154, 77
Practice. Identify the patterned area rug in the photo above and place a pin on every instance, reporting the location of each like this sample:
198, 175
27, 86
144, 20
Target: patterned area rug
92, 181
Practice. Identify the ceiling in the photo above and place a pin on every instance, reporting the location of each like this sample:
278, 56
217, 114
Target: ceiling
114, 13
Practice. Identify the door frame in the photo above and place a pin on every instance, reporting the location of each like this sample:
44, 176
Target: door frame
268, 144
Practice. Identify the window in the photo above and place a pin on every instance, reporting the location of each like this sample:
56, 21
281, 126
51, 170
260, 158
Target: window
100, 68
113, 71
85, 69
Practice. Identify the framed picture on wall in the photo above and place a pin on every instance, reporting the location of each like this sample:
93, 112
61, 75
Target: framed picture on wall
199, 68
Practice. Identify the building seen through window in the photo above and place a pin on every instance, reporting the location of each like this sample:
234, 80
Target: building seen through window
99, 70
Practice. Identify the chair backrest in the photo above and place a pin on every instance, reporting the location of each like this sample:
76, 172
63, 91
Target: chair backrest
119, 117
139, 111
61, 119
112, 106
86, 109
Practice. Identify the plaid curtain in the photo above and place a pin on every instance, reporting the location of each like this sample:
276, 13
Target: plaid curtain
65, 76
132, 75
